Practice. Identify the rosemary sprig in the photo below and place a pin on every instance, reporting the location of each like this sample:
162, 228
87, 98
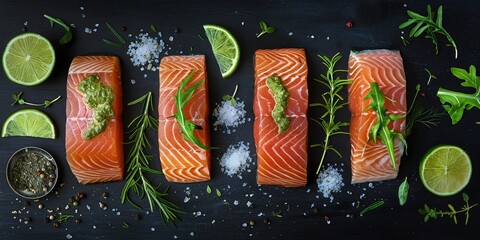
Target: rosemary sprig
429, 26
380, 129
138, 164
265, 29
331, 103
371, 207
182, 97
117, 35
428, 212
231, 98
67, 37
417, 113
17, 99
277, 214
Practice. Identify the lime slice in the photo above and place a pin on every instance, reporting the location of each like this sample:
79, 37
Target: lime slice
224, 47
29, 123
28, 59
445, 170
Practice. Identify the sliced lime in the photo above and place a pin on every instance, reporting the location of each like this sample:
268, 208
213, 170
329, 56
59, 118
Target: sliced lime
29, 123
224, 47
445, 170
28, 59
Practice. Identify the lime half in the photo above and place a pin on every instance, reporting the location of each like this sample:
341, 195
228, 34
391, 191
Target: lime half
224, 47
29, 123
28, 59
445, 170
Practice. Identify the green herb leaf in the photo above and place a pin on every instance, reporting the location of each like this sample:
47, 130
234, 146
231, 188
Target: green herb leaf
380, 128
277, 214
371, 207
231, 98
429, 26
17, 99
116, 34
455, 103
465, 197
209, 190
403, 192
218, 192
182, 97
64, 217
433, 213
138, 164
153, 28
67, 37
332, 102
265, 29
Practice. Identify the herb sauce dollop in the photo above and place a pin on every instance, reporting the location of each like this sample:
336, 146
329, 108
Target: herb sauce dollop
281, 95
99, 98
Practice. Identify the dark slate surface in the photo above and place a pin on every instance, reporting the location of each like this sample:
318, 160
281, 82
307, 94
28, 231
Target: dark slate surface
375, 25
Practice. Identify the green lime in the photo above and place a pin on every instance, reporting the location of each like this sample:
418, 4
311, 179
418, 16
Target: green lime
28, 59
445, 170
29, 123
224, 47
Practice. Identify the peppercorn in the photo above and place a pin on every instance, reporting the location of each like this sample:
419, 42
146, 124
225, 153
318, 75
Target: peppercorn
40, 206
56, 225
105, 195
28, 219
70, 199
76, 198
81, 196
26, 203
75, 203
251, 223
77, 221
349, 24
137, 217
51, 217
102, 205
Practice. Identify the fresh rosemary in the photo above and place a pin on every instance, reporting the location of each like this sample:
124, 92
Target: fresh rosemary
17, 99
265, 29
67, 37
332, 102
138, 164
380, 129
371, 207
117, 35
428, 212
277, 214
182, 97
429, 26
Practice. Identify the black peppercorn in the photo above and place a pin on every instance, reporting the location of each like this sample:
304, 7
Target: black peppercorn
77, 221
105, 195
28, 219
56, 225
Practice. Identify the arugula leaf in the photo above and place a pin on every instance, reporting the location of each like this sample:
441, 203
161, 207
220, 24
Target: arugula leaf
380, 129
455, 103
68, 34
403, 192
181, 99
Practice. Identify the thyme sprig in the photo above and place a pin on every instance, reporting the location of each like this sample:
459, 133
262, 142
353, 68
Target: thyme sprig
67, 37
231, 98
430, 76
428, 212
182, 97
277, 214
265, 29
430, 26
332, 102
64, 217
380, 129
138, 162
17, 99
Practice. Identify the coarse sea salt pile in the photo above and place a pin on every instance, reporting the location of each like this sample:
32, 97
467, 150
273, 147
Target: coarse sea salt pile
236, 159
229, 116
330, 181
145, 51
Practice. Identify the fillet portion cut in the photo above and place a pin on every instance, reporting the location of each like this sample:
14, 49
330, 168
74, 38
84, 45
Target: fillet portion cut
181, 160
281, 157
369, 160
99, 159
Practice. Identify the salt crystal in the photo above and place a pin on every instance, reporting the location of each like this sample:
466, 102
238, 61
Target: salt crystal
96, 25
244, 225
330, 181
83, 15
132, 81
235, 202
170, 38
186, 199
192, 234
88, 30
69, 236
229, 116
312, 37
153, 229
243, 23
236, 159
213, 221
290, 33
25, 23
328, 38
81, 8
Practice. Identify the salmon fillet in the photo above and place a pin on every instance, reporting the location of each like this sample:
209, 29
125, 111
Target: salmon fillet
281, 157
99, 159
183, 161
369, 160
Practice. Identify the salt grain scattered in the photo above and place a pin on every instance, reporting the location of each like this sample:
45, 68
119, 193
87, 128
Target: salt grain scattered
290, 33
88, 30
145, 50
69, 236
330, 181
229, 116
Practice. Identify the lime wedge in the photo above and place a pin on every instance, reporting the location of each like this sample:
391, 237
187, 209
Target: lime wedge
224, 47
445, 170
28, 59
29, 123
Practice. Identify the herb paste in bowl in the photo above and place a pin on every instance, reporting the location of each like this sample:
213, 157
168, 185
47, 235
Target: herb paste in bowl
32, 172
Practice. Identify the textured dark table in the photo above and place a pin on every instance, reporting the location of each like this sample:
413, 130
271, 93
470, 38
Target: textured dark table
317, 26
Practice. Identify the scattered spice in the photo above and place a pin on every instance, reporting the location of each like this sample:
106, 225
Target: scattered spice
33, 173
251, 223
56, 225
40, 206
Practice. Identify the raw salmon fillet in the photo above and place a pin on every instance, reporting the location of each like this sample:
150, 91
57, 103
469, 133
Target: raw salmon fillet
369, 160
99, 159
281, 157
181, 160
